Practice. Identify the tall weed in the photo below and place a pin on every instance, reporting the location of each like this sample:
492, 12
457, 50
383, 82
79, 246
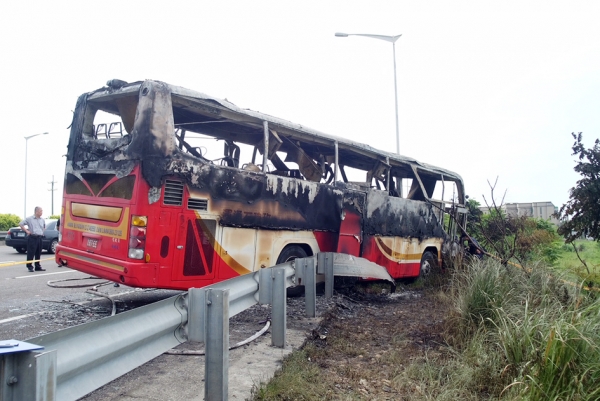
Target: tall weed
547, 334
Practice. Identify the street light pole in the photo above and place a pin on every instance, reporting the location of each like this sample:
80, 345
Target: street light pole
393, 40
27, 138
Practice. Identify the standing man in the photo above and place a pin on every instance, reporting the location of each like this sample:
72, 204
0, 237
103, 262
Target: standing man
35, 231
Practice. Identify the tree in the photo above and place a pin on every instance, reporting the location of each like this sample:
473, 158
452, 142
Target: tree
580, 216
473, 217
508, 236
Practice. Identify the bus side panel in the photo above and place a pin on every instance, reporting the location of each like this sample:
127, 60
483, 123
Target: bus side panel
395, 254
350, 234
236, 251
397, 231
165, 220
206, 251
350, 230
400, 256
256, 200
327, 241
398, 217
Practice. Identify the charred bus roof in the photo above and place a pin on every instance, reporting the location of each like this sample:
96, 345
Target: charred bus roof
197, 112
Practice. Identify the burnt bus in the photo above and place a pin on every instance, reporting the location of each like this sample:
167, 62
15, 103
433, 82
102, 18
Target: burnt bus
171, 188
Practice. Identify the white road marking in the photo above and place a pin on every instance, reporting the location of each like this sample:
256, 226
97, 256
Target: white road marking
10, 319
47, 274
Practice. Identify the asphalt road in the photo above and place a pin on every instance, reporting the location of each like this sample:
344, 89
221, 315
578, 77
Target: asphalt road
32, 305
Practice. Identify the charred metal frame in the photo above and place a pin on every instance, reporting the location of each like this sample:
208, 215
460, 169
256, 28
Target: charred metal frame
309, 198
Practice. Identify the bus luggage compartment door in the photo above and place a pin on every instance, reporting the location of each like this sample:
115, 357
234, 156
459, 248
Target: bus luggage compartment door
194, 248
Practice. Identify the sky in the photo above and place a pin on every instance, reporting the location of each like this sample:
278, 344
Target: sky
490, 90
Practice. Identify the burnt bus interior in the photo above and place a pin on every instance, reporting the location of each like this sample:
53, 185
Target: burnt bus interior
216, 131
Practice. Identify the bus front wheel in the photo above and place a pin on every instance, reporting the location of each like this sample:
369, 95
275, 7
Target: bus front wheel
288, 253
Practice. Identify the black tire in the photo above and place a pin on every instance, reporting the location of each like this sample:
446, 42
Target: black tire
52, 247
428, 264
21, 250
288, 253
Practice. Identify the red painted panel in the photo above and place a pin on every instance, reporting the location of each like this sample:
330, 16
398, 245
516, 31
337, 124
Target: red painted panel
350, 234
397, 270
327, 241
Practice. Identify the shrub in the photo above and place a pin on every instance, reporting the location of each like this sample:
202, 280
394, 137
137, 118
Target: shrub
8, 220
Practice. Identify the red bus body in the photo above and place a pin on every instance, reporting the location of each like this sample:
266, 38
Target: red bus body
143, 207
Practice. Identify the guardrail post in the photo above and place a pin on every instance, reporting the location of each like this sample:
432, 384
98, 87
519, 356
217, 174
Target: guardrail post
28, 375
265, 287
278, 308
196, 314
325, 266
216, 369
310, 287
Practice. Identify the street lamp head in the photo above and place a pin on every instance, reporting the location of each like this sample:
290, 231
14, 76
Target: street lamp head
31, 136
391, 39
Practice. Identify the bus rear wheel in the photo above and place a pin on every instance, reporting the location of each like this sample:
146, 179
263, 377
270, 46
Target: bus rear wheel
428, 265
289, 253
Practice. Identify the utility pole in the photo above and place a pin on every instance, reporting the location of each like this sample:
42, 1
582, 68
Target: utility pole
52, 193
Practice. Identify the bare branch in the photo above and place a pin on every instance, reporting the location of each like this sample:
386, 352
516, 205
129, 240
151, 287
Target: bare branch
579, 257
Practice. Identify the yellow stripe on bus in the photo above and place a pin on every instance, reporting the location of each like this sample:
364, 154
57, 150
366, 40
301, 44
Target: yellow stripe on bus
231, 262
94, 261
397, 256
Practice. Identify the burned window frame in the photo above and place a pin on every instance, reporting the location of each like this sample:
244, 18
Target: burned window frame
320, 157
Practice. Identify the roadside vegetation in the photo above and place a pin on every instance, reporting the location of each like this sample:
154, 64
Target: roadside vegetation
8, 220
524, 334
581, 261
523, 323
507, 333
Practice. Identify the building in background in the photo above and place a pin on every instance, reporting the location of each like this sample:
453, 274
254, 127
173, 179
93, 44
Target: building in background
538, 210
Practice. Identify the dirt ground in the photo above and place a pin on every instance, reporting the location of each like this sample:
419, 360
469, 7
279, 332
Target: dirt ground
363, 346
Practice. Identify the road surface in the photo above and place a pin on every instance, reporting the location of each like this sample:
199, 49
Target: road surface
32, 305
29, 307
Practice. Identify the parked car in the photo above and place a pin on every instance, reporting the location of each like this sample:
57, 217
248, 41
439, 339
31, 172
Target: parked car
17, 238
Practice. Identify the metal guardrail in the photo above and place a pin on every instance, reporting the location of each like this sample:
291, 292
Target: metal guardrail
80, 359
3, 235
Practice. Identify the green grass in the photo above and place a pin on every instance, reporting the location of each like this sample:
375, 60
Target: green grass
545, 334
299, 379
570, 264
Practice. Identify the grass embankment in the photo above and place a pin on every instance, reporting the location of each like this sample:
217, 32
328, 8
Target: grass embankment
525, 335
509, 334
